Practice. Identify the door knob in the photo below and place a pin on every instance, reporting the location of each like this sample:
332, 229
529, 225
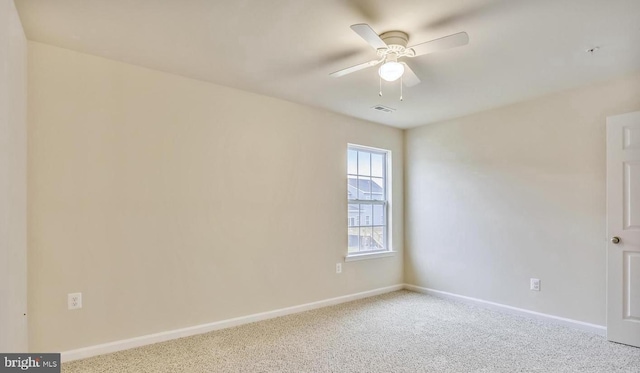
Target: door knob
615, 240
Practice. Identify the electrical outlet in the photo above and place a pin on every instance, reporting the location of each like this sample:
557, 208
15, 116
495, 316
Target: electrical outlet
74, 301
338, 267
534, 284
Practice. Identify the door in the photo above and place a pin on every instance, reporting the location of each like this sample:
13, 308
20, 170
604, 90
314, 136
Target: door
623, 228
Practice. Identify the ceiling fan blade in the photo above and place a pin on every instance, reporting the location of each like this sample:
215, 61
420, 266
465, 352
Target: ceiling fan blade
409, 78
447, 42
355, 68
366, 32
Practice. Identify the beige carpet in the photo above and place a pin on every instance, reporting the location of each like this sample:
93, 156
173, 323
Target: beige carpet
396, 332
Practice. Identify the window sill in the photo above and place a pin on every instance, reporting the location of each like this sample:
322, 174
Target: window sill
355, 257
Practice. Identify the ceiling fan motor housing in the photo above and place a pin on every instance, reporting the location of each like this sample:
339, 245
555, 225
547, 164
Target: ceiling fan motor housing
395, 38
396, 43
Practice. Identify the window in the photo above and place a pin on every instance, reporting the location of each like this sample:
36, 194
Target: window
367, 194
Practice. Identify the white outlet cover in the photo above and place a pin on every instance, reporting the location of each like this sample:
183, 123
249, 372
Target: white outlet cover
338, 267
535, 284
74, 301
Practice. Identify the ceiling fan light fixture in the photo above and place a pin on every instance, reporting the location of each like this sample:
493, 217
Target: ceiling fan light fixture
391, 71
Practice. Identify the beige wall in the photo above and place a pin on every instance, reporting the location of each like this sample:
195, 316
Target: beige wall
13, 181
496, 198
170, 202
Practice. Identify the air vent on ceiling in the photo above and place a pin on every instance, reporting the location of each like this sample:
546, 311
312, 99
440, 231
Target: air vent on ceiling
384, 109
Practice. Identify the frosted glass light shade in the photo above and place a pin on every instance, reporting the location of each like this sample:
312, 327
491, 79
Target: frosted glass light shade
391, 71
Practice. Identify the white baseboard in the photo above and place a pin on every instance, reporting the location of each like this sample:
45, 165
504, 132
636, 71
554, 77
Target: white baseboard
593, 328
125, 344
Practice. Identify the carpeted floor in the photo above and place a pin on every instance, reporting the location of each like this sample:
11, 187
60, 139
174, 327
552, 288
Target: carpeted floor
396, 332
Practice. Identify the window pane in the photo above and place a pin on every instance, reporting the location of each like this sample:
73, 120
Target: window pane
364, 163
377, 165
353, 215
377, 189
366, 215
365, 239
364, 188
378, 215
352, 162
378, 238
352, 187
354, 240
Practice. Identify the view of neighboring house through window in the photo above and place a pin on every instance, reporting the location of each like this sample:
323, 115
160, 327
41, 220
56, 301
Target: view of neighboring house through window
367, 197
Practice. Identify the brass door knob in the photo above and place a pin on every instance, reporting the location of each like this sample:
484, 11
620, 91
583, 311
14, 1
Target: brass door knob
615, 240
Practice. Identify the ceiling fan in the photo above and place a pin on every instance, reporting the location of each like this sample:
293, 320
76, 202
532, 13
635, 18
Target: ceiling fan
392, 45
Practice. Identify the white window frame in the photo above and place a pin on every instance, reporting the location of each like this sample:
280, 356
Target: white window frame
386, 203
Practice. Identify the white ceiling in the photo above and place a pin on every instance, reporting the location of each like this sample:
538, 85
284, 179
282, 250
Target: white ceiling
286, 48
